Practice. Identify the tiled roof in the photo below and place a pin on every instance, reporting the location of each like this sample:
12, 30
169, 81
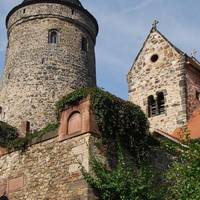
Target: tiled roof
191, 130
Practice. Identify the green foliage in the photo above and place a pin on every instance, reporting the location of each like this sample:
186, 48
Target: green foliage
123, 124
117, 120
126, 181
184, 174
23, 143
7, 134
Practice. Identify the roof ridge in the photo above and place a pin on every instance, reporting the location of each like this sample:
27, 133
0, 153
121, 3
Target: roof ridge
153, 29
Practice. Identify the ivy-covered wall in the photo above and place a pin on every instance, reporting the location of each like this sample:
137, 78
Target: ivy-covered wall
49, 169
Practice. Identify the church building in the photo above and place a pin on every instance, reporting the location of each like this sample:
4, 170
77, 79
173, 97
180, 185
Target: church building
165, 82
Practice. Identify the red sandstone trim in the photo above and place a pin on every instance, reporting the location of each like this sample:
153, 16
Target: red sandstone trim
88, 124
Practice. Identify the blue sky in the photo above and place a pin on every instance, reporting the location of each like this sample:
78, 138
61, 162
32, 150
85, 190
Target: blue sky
124, 25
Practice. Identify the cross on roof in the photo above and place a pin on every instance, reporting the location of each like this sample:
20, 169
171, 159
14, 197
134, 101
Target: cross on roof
154, 25
193, 54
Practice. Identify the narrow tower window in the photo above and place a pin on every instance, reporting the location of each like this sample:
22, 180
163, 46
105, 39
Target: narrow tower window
43, 60
84, 44
161, 103
53, 37
152, 108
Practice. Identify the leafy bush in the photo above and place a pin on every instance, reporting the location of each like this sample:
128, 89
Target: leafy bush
126, 181
184, 175
7, 134
123, 124
13, 142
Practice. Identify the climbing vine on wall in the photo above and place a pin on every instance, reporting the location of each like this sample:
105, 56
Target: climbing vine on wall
183, 175
124, 181
117, 120
9, 136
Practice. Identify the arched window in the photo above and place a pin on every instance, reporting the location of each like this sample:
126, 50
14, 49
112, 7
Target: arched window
74, 123
152, 108
53, 37
161, 103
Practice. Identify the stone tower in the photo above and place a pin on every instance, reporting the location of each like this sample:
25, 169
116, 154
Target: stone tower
50, 53
165, 83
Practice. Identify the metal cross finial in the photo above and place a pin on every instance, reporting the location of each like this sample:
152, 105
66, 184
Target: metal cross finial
193, 54
154, 25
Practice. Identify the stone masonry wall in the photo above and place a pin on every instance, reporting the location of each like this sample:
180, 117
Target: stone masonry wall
48, 170
166, 75
193, 86
36, 73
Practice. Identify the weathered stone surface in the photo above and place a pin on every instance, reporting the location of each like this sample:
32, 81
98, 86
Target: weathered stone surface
48, 170
193, 88
37, 73
166, 75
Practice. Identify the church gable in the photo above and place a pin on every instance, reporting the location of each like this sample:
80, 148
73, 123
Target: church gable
157, 82
156, 50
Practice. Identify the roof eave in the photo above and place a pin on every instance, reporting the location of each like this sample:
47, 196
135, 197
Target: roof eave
193, 62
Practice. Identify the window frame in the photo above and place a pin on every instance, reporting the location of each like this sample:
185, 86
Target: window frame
156, 106
152, 106
160, 103
53, 39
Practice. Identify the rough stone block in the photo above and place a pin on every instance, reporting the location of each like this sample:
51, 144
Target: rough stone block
15, 184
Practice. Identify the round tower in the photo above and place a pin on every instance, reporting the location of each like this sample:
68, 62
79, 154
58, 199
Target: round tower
50, 53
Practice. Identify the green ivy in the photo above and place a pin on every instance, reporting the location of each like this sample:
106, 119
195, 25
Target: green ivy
125, 181
121, 124
184, 175
7, 134
21, 143
117, 120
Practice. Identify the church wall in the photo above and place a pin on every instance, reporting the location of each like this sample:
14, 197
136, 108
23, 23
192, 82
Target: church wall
36, 73
193, 89
165, 75
48, 170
